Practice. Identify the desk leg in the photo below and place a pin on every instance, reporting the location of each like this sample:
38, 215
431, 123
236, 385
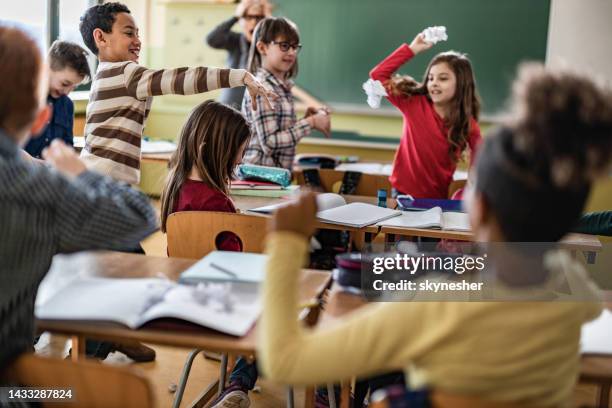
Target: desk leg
590, 257
603, 399
345, 394
290, 401
368, 237
78, 348
309, 397
223, 372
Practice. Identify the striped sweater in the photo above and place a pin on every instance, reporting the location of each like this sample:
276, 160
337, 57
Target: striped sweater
119, 103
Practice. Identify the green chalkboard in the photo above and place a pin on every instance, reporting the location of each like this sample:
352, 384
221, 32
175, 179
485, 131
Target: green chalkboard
344, 39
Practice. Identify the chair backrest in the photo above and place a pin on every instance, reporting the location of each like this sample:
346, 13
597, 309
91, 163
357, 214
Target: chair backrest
192, 234
331, 180
93, 385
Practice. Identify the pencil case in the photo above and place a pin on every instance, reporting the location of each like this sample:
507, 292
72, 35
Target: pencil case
263, 173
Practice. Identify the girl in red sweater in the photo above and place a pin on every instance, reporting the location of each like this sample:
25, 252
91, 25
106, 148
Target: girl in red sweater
440, 118
211, 144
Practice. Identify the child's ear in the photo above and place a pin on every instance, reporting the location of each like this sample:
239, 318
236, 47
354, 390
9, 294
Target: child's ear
261, 47
99, 37
42, 119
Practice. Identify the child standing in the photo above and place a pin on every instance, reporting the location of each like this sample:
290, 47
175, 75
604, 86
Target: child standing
211, 144
45, 210
248, 14
121, 92
69, 68
440, 118
456, 347
276, 132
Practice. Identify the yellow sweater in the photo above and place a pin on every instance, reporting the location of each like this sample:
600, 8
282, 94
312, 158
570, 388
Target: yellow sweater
506, 351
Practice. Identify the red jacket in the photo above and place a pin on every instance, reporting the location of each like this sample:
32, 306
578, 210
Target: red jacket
422, 166
198, 196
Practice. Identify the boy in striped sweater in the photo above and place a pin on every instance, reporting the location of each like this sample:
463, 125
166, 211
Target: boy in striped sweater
122, 91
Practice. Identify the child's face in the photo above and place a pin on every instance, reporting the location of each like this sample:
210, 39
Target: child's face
252, 15
441, 83
63, 82
277, 60
122, 43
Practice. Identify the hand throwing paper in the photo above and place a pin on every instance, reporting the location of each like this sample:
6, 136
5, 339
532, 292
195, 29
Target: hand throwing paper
435, 34
375, 91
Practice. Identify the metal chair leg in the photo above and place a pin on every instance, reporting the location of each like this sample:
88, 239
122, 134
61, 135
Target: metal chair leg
180, 390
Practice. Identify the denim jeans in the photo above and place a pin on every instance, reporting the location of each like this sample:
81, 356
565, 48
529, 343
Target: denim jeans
245, 373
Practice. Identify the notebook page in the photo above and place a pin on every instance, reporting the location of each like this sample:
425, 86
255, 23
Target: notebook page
356, 214
415, 219
455, 221
595, 336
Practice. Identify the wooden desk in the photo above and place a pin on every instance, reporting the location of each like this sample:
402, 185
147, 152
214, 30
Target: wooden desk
121, 265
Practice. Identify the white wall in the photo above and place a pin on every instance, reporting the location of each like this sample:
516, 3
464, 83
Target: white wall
580, 36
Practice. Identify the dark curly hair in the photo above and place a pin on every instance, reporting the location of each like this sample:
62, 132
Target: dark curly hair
536, 171
464, 106
102, 17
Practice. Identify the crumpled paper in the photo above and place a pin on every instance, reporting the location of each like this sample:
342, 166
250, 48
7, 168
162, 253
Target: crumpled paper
435, 34
375, 91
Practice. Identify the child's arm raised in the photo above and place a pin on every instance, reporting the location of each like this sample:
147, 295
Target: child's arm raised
142, 82
370, 340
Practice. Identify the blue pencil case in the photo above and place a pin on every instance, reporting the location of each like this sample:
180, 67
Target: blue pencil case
263, 173
407, 203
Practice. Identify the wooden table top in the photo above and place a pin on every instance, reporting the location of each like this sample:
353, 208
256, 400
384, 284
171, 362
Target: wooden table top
169, 332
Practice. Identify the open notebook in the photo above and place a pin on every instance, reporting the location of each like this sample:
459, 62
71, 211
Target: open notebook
230, 308
333, 209
227, 266
596, 335
432, 218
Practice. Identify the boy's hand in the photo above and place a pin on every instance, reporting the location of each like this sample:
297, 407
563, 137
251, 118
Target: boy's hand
256, 88
321, 121
63, 158
419, 44
298, 217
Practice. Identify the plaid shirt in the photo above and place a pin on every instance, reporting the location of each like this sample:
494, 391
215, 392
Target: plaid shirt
276, 132
43, 213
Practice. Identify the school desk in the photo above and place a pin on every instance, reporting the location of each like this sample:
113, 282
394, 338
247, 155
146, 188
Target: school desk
595, 370
312, 285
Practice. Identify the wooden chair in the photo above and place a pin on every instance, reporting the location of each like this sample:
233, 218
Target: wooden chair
331, 180
441, 399
93, 385
192, 234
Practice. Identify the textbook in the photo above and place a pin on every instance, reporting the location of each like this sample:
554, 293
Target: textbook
406, 202
253, 185
228, 308
227, 266
432, 218
595, 335
333, 209
279, 193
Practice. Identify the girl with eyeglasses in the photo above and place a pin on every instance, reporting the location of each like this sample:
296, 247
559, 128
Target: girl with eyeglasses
276, 132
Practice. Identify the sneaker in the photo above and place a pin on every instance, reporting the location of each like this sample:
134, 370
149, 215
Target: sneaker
234, 396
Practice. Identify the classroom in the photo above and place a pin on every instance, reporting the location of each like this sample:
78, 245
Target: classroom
306, 203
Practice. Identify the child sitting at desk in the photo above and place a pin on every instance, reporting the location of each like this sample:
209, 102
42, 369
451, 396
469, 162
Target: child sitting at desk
45, 210
211, 144
122, 91
513, 351
69, 67
276, 132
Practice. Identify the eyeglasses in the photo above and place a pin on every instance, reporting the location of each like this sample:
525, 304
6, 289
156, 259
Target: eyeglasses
284, 46
254, 17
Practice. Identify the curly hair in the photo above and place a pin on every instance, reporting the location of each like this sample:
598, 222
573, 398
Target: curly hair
536, 171
102, 17
464, 106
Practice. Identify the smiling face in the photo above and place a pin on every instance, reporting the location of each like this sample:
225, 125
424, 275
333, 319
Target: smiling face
249, 20
122, 43
275, 59
441, 83
63, 82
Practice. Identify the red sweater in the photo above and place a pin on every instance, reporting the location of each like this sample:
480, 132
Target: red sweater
422, 166
198, 196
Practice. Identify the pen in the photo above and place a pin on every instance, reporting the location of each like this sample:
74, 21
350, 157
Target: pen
225, 271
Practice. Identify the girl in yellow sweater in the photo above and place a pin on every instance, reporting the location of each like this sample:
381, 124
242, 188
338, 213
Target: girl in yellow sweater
532, 179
